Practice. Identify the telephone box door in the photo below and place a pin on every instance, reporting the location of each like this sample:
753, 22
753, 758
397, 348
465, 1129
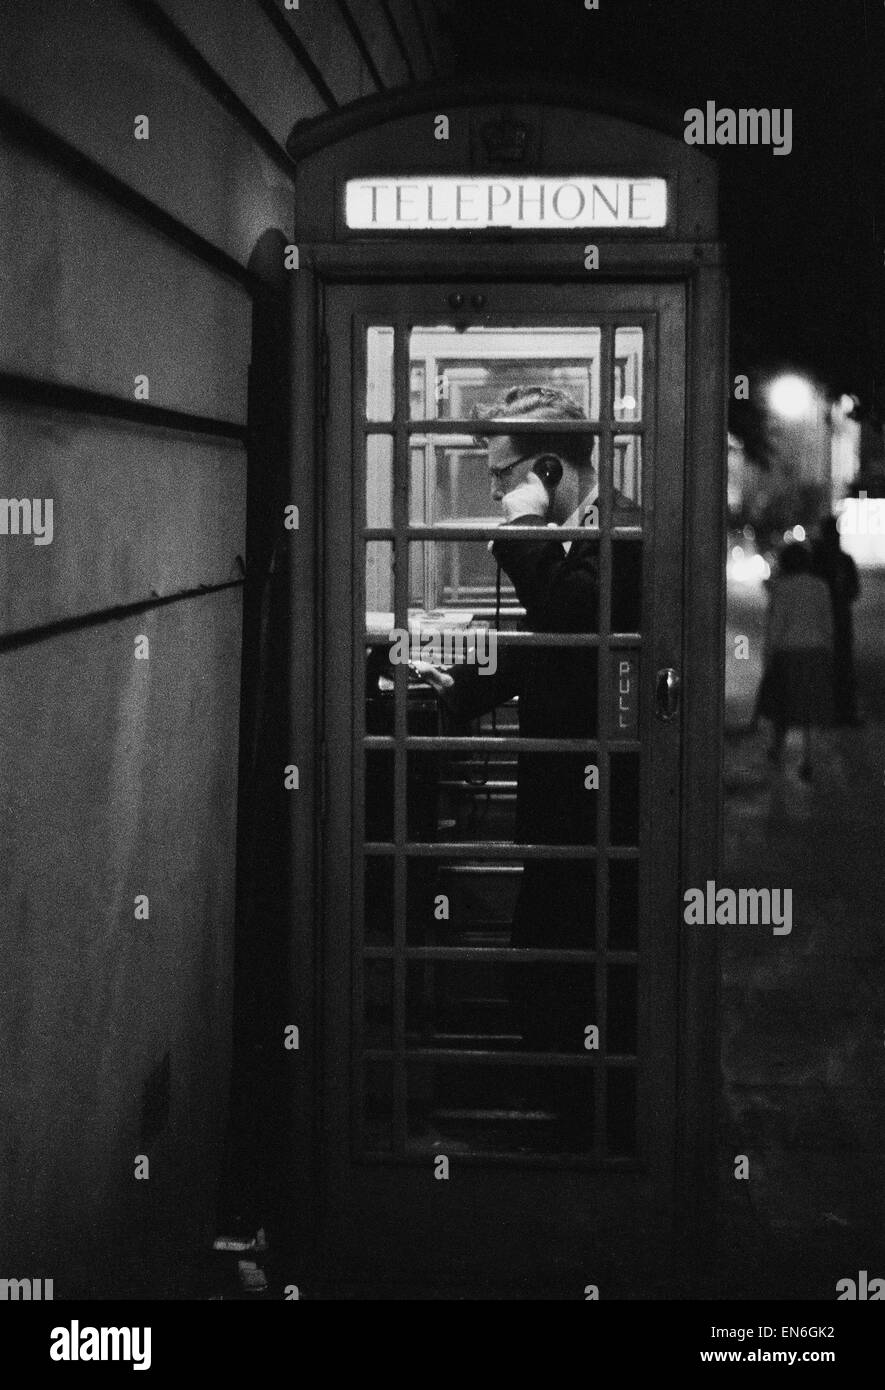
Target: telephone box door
500, 1049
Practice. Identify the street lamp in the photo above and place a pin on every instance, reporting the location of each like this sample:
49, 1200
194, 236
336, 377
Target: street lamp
791, 397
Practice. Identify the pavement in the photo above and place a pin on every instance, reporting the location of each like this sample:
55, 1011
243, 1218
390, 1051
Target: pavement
803, 1015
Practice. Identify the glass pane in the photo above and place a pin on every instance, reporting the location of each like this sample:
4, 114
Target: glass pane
454, 1108
624, 799
378, 899
379, 480
478, 366
461, 1003
379, 589
623, 898
626, 606
477, 799
461, 903
628, 374
453, 583
422, 786
417, 391
378, 1106
378, 1004
556, 908
627, 479
378, 794
622, 1003
379, 374
621, 1111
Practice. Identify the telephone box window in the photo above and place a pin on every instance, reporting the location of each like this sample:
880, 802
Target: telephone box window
503, 997
628, 374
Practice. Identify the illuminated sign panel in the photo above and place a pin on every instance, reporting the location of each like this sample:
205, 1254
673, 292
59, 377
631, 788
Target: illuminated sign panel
485, 204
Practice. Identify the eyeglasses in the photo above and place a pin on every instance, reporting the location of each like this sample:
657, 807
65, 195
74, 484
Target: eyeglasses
502, 470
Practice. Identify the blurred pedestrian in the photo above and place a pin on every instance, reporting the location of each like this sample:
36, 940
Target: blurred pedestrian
839, 572
797, 680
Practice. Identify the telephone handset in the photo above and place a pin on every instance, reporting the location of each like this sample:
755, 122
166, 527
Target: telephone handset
549, 470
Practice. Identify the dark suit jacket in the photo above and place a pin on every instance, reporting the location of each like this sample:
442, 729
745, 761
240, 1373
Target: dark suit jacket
557, 689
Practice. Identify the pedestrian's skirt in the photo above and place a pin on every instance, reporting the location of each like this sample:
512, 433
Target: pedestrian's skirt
797, 687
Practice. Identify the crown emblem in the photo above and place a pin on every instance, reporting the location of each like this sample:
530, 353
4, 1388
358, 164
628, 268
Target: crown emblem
505, 139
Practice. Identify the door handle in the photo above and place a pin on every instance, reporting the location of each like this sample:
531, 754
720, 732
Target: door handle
667, 693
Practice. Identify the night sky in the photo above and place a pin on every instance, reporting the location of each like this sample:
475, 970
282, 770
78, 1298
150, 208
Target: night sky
804, 248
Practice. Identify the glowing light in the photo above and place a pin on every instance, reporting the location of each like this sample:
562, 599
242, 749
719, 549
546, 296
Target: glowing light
791, 396
747, 569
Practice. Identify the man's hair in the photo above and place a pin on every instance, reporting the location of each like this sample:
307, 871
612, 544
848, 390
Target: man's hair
541, 403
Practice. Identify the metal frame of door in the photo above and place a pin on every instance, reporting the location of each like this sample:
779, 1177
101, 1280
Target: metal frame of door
663, 307
697, 268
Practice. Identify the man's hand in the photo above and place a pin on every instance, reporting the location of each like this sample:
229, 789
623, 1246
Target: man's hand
439, 680
528, 498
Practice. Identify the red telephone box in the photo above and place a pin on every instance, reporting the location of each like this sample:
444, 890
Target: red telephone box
524, 241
